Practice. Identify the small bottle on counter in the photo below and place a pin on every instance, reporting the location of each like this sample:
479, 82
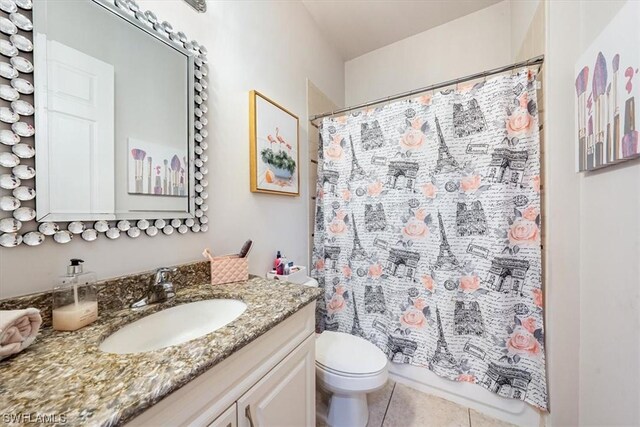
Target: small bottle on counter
75, 299
276, 261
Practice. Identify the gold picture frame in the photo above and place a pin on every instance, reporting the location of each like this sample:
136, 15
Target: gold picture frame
274, 160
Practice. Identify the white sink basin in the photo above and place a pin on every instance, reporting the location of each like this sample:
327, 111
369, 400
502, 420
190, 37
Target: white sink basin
173, 326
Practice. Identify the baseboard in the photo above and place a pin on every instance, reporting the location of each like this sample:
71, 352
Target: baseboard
469, 395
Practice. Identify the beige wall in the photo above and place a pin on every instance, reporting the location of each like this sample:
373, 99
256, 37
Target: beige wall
527, 28
593, 248
476, 42
272, 47
609, 273
562, 242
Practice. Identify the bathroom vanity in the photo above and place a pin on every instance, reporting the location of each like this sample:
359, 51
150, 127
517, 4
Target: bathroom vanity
270, 382
258, 370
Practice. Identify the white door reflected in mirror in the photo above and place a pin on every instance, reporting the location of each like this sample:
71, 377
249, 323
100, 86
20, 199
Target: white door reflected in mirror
114, 117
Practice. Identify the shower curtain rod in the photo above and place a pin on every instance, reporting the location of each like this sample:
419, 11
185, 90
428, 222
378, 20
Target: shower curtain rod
538, 60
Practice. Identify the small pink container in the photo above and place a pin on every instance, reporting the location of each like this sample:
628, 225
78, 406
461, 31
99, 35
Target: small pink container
227, 268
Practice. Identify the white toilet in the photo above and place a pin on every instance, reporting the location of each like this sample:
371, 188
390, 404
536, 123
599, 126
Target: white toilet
348, 367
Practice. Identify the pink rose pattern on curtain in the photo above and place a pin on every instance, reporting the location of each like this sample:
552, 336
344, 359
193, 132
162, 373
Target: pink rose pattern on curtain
427, 239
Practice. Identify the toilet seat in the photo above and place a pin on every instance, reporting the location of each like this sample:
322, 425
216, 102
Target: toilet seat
347, 374
348, 355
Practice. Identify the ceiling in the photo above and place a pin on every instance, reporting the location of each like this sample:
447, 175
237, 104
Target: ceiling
356, 27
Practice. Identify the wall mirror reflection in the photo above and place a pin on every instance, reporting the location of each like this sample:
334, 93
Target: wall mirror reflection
114, 113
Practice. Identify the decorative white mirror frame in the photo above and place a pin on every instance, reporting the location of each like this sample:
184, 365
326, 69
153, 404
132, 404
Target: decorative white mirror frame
17, 152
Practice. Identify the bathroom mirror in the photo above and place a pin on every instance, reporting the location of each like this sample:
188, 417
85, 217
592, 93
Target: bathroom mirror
107, 128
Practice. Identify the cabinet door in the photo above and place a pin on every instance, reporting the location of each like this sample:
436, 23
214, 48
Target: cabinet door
285, 397
228, 418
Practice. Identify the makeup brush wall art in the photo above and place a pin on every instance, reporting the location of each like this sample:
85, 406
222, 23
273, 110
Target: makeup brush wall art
607, 85
157, 169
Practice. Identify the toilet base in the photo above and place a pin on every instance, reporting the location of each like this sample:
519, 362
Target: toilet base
348, 410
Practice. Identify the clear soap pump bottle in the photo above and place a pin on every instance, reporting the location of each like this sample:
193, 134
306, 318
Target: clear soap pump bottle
75, 299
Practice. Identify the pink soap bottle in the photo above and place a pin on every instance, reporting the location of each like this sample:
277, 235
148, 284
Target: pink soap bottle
276, 262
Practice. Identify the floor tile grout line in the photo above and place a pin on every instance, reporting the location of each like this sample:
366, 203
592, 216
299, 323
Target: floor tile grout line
388, 404
469, 413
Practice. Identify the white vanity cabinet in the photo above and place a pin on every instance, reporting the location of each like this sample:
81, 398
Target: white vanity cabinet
269, 382
286, 395
229, 418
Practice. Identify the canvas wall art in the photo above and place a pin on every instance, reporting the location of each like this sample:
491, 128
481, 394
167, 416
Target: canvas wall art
274, 147
607, 88
156, 169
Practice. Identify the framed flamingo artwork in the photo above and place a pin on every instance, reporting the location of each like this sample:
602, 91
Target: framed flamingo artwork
274, 147
607, 87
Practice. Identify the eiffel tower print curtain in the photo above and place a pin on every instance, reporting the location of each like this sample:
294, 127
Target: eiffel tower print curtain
427, 233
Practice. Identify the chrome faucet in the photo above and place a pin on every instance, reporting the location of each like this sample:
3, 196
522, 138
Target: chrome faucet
160, 291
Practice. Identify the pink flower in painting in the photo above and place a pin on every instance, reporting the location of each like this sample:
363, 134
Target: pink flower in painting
413, 318
429, 190
320, 264
421, 214
340, 290
523, 232
346, 195
337, 226
341, 214
412, 139
342, 119
522, 342
469, 283
537, 297
346, 271
334, 151
415, 229
530, 213
337, 139
374, 189
416, 123
336, 304
535, 182
427, 282
375, 271
320, 194
466, 378
419, 303
470, 183
529, 324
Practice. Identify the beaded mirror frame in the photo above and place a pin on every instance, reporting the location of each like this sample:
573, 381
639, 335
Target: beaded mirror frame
18, 147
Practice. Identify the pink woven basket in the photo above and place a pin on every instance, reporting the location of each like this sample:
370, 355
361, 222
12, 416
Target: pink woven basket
227, 268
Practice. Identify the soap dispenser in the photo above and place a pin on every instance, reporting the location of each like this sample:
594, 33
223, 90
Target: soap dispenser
75, 299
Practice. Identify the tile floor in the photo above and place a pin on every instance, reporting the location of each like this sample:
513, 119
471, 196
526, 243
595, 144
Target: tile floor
396, 405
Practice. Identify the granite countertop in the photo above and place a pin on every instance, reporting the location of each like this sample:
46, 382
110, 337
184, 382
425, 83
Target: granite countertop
65, 376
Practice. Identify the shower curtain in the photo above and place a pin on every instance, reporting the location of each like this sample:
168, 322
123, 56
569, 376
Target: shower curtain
427, 233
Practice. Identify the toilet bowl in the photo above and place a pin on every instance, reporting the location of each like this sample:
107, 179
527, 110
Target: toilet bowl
349, 367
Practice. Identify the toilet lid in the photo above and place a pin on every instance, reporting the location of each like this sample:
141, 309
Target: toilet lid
340, 352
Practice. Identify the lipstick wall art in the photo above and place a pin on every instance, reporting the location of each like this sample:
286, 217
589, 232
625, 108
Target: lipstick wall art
157, 169
607, 85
